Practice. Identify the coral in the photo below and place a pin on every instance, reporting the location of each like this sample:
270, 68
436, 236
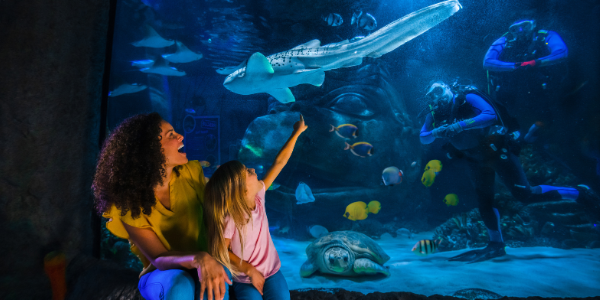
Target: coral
541, 167
464, 230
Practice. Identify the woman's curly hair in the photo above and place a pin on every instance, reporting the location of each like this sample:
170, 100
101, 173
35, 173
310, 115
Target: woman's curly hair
131, 164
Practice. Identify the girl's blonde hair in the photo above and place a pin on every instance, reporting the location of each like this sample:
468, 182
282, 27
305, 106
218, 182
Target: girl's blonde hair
225, 194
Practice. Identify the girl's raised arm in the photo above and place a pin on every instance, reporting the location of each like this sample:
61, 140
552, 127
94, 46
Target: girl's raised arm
284, 154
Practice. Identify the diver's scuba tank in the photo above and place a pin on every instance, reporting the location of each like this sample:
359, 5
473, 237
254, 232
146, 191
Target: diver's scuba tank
501, 138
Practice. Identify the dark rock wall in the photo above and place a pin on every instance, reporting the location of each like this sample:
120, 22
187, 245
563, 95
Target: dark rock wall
53, 55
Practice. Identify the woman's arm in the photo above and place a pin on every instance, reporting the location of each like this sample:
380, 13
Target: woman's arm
257, 278
212, 274
284, 154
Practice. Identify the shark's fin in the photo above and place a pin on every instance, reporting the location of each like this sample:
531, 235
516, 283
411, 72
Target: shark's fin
310, 44
282, 95
258, 64
375, 54
312, 76
344, 42
352, 62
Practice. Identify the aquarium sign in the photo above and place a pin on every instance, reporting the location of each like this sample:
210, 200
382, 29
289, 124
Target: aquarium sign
202, 140
208, 124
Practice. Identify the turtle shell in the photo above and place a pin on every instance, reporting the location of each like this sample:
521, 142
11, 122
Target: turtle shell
362, 245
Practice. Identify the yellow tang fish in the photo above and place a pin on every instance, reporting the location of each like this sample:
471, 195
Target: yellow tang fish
360, 210
434, 165
428, 178
451, 200
425, 247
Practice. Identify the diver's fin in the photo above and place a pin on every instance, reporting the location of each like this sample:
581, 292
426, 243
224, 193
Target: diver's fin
282, 95
312, 76
310, 44
258, 64
307, 269
352, 62
369, 267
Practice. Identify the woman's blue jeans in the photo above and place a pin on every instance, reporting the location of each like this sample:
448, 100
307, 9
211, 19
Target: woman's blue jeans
275, 288
174, 284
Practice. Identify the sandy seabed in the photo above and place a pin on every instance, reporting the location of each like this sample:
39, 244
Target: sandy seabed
523, 272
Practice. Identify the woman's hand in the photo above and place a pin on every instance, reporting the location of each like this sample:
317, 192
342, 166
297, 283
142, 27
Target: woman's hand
212, 276
257, 278
299, 126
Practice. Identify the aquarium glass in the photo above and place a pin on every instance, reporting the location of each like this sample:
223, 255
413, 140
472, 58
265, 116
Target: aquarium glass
452, 148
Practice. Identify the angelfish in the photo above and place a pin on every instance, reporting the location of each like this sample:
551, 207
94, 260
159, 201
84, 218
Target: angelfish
333, 19
365, 21
392, 176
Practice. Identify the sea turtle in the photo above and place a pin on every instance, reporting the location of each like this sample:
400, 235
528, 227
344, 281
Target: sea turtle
345, 253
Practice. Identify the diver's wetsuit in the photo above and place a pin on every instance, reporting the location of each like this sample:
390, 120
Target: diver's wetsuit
476, 116
533, 90
496, 59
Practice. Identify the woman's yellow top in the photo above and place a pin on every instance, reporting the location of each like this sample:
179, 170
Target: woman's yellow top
179, 229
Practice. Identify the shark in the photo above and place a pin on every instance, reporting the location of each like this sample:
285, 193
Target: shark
152, 39
127, 89
182, 55
306, 63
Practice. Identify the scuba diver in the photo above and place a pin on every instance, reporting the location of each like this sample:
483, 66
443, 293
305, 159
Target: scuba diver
480, 131
525, 70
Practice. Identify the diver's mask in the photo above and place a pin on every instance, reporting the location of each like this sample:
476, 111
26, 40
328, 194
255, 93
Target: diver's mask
521, 30
440, 96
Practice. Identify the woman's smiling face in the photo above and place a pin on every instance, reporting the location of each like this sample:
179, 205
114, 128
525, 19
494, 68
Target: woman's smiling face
171, 142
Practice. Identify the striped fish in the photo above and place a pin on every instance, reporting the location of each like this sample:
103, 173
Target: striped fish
425, 247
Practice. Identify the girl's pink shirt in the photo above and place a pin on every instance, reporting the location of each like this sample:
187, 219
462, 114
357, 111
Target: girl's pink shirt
259, 250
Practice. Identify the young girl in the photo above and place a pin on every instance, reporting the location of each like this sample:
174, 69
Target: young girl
238, 229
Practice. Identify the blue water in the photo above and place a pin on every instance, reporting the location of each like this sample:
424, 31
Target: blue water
385, 98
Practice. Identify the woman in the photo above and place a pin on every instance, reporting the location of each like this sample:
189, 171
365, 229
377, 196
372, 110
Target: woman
152, 196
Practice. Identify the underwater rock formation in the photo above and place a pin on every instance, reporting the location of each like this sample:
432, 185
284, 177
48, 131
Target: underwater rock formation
555, 224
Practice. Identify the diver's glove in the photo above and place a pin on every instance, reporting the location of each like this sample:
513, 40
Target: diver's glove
493, 249
447, 131
528, 64
440, 132
454, 129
